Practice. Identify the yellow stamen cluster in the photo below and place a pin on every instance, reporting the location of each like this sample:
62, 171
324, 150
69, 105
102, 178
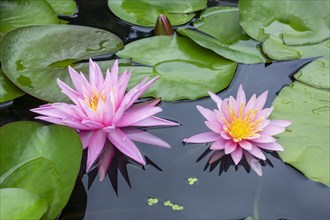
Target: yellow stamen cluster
94, 100
242, 127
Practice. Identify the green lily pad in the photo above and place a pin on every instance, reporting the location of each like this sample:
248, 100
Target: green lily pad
185, 70
20, 13
317, 73
295, 22
8, 91
21, 204
224, 35
306, 142
54, 48
42, 159
146, 12
63, 7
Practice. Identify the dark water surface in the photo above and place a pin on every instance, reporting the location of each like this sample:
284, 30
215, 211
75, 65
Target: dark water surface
282, 191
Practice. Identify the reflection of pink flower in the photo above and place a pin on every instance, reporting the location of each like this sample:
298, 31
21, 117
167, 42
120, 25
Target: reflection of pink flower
102, 111
240, 128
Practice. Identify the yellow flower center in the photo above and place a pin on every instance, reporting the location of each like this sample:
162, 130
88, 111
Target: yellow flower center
239, 127
94, 100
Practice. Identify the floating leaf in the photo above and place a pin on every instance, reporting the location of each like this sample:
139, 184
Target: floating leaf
306, 142
8, 91
146, 12
54, 47
295, 22
17, 13
21, 204
63, 7
317, 73
42, 159
185, 70
228, 38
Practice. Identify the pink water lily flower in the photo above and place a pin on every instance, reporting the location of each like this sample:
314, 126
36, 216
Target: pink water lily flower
105, 116
240, 128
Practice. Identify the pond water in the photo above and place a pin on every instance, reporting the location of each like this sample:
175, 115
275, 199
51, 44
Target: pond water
220, 192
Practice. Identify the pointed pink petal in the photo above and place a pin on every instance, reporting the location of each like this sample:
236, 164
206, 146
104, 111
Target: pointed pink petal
108, 112
249, 106
73, 95
214, 126
254, 163
224, 135
207, 113
95, 147
236, 155
53, 111
264, 139
134, 116
246, 145
216, 156
272, 130
155, 121
136, 134
218, 144
92, 125
261, 100
264, 113
76, 79
230, 146
202, 137
255, 151
240, 98
216, 99
271, 146
233, 104
95, 75
120, 140
105, 160
122, 84
282, 123
51, 120
85, 137
143, 105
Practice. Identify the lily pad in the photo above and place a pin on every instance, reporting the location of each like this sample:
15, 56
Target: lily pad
21, 204
317, 73
224, 35
42, 159
146, 12
295, 22
8, 91
54, 48
306, 142
17, 13
185, 70
63, 7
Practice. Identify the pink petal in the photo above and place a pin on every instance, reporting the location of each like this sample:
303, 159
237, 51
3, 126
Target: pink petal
250, 103
254, 163
76, 79
282, 123
105, 160
134, 116
224, 135
95, 75
271, 146
261, 100
92, 125
207, 113
218, 144
264, 113
233, 104
255, 151
216, 99
122, 84
246, 145
230, 146
264, 139
114, 71
272, 130
73, 95
202, 137
143, 105
108, 112
214, 126
216, 156
240, 98
136, 134
120, 140
85, 137
236, 155
95, 147
155, 121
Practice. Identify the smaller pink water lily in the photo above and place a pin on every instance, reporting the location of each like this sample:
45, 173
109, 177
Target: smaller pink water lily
240, 128
105, 116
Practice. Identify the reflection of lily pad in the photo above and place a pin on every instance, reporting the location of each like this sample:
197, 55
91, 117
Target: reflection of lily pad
8, 91
296, 22
316, 73
306, 142
42, 159
229, 39
54, 47
18, 13
146, 12
186, 70
21, 204
63, 7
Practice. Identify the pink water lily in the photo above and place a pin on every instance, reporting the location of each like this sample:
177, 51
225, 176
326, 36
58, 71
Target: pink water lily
105, 116
240, 128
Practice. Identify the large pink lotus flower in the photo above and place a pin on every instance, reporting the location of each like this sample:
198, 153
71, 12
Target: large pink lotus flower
104, 116
240, 128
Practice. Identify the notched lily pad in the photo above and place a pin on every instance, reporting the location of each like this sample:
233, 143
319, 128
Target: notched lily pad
63, 7
306, 142
54, 47
185, 70
8, 91
146, 12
